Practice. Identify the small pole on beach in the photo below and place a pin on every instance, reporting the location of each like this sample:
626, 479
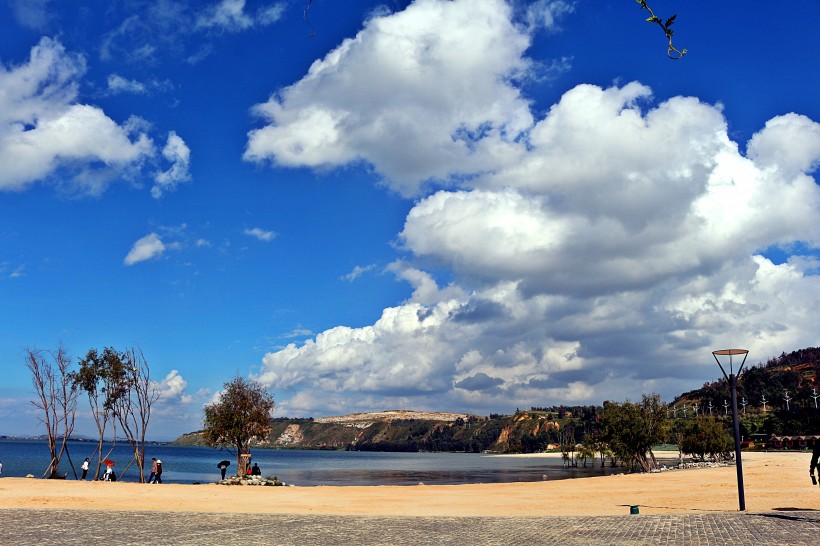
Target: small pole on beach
732, 379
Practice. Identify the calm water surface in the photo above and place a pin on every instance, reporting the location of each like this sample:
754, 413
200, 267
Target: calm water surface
300, 467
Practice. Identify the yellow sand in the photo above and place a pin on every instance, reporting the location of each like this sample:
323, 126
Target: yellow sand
773, 481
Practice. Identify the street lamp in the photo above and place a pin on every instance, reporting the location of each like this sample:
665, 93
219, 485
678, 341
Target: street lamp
732, 379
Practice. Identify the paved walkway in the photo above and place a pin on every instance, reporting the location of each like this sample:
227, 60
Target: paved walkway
47, 527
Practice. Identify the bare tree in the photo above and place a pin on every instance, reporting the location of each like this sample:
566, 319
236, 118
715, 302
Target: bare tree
57, 398
131, 397
567, 445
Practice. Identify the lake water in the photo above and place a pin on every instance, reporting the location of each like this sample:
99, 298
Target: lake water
302, 467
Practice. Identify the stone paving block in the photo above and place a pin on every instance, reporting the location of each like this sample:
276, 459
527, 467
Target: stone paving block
67, 527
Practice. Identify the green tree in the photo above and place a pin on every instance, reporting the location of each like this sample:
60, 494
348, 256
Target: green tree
706, 436
96, 377
119, 390
241, 416
631, 429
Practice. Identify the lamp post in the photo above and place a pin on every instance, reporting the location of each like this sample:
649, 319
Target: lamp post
732, 379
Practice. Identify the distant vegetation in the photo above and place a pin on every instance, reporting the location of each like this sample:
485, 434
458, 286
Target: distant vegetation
792, 376
616, 433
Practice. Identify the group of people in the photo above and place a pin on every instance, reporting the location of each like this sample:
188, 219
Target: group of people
156, 471
110, 476
248, 470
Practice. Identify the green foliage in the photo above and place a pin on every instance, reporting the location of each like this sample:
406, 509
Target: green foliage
103, 375
795, 373
241, 415
672, 52
706, 436
631, 429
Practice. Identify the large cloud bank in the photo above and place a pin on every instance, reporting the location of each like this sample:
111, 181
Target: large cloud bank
598, 252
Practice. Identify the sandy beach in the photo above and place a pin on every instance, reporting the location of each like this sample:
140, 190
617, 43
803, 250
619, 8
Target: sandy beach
773, 482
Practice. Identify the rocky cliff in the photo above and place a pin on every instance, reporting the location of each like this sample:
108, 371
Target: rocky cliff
402, 430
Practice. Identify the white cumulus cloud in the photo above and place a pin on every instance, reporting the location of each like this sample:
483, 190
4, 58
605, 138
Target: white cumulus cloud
261, 234
432, 82
48, 135
117, 84
146, 248
179, 155
172, 388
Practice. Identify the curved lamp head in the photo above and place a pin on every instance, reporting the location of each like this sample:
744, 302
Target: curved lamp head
728, 356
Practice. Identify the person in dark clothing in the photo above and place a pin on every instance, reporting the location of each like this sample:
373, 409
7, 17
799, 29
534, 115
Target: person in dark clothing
815, 455
222, 468
256, 471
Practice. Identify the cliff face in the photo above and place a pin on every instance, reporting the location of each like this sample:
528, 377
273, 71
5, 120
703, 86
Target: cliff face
407, 431
526, 432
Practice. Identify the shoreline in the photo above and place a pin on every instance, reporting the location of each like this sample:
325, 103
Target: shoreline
773, 482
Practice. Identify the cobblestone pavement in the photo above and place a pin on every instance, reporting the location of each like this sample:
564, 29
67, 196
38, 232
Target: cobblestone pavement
47, 527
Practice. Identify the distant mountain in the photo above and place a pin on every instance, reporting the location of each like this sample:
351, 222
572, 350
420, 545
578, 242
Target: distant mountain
401, 430
44, 438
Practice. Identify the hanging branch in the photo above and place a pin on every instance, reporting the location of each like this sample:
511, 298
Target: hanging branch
305, 15
672, 52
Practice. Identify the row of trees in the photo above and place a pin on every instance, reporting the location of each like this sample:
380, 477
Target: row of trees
120, 395
627, 432
119, 390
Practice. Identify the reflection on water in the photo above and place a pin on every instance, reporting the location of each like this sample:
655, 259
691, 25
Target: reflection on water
441, 477
305, 468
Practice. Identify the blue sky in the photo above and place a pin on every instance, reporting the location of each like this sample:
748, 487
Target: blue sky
469, 206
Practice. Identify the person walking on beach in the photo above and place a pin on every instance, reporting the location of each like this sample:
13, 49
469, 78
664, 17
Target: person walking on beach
222, 468
815, 455
158, 478
85, 468
153, 470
